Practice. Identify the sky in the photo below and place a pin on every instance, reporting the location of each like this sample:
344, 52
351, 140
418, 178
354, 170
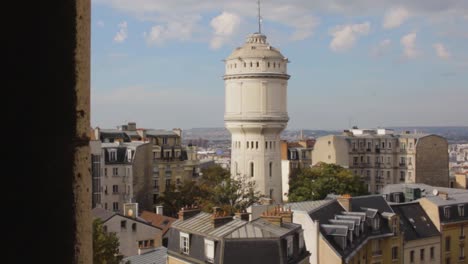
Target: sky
370, 63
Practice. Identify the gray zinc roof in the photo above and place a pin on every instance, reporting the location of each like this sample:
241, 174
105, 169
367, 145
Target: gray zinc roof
201, 224
307, 206
153, 132
156, 256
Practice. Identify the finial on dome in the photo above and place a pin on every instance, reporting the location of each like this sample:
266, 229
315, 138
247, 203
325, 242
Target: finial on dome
259, 18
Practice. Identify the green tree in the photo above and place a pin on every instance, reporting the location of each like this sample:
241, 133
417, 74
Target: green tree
315, 183
105, 245
215, 188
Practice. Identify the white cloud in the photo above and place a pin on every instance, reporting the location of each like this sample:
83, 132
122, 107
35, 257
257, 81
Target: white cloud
395, 17
122, 34
224, 25
344, 36
381, 48
100, 23
181, 29
409, 45
441, 51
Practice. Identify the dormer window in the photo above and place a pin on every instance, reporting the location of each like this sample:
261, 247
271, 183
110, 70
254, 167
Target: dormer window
289, 240
461, 210
184, 243
112, 154
447, 212
209, 250
376, 223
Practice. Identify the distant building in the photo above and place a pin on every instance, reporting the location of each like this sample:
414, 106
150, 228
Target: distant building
459, 181
199, 237
421, 239
294, 155
136, 236
382, 157
160, 160
361, 229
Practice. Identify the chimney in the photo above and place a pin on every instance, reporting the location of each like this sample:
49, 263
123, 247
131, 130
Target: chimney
159, 209
345, 201
286, 214
273, 217
219, 217
243, 215
443, 195
188, 211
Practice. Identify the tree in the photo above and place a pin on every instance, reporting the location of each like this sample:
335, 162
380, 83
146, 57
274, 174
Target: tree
105, 245
315, 183
215, 188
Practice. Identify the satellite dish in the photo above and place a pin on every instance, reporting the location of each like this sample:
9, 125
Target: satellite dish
435, 192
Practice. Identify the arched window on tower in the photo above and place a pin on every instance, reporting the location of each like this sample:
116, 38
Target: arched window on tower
271, 168
268, 64
252, 169
258, 64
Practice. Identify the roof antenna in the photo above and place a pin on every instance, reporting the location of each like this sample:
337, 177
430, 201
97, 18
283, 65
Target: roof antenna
259, 18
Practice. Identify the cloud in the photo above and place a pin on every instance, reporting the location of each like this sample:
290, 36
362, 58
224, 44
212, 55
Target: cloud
395, 17
122, 34
100, 23
180, 29
409, 45
441, 51
344, 36
381, 48
224, 25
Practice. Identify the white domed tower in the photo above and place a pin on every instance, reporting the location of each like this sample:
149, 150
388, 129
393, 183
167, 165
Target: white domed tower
256, 82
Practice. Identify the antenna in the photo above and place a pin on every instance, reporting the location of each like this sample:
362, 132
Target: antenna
259, 18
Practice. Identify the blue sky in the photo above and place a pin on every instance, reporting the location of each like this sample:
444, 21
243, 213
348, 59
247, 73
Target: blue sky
357, 62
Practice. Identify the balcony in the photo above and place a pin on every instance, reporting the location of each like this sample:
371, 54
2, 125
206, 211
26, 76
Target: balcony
402, 164
378, 164
376, 253
368, 150
377, 150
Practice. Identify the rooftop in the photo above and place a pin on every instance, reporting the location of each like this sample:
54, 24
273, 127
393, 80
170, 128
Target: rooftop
156, 256
414, 222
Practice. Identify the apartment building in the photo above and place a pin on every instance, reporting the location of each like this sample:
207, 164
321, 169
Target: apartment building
198, 237
421, 239
382, 157
448, 212
294, 155
348, 229
172, 162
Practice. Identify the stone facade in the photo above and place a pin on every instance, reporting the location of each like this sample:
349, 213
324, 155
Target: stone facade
382, 157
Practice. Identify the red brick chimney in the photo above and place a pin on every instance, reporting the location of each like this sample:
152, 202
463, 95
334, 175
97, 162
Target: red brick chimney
278, 215
219, 218
243, 215
188, 211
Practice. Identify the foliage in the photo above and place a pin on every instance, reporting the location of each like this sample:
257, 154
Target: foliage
215, 188
105, 245
315, 183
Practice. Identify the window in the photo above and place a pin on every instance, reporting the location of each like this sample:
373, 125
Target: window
301, 241
184, 243
394, 253
115, 171
447, 243
421, 254
105, 171
462, 253
410, 145
266, 144
271, 193
447, 260
447, 212
388, 175
410, 161
462, 232
134, 227
432, 253
411, 256
247, 144
256, 144
395, 225
402, 175
289, 240
123, 224
164, 140
112, 155
368, 160
258, 64
461, 210
115, 206
390, 145
376, 223
402, 161
115, 189
376, 247
383, 144
168, 182
270, 168
209, 250
105, 206
355, 160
